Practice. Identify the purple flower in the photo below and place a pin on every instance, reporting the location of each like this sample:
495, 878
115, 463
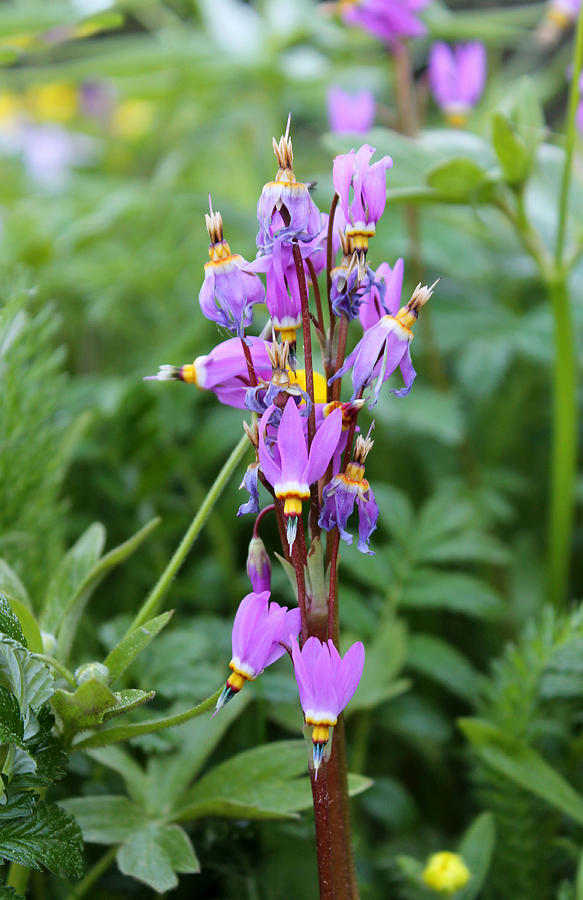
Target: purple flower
249, 484
384, 347
259, 631
228, 291
340, 495
457, 76
285, 209
326, 682
353, 170
258, 566
283, 293
350, 112
290, 469
375, 304
388, 20
223, 370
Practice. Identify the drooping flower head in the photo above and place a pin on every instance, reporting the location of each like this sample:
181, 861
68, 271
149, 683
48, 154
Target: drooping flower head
386, 346
223, 370
260, 630
346, 489
457, 76
326, 683
350, 285
388, 20
229, 290
446, 872
376, 302
285, 209
350, 113
362, 190
288, 466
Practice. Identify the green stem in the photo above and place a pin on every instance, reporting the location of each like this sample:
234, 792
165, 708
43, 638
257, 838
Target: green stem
94, 874
58, 667
152, 603
18, 878
564, 442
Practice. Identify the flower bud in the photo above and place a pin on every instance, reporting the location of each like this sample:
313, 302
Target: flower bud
92, 671
258, 566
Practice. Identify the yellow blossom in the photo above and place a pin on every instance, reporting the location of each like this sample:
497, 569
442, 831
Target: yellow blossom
299, 378
132, 119
446, 872
53, 102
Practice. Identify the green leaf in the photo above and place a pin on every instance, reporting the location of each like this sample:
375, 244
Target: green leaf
73, 609
579, 879
125, 700
120, 761
385, 657
32, 636
522, 765
150, 855
11, 724
70, 575
437, 659
429, 412
458, 178
122, 656
11, 585
510, 149
455, 591
29, 679
529, 115
476, 849
49, 838
106, 819
9, 624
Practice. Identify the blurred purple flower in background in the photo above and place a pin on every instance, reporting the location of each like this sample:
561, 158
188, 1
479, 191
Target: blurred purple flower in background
563, 12
457, 76
388, 20
350, 112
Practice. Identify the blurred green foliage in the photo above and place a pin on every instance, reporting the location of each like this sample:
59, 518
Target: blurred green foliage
102, 269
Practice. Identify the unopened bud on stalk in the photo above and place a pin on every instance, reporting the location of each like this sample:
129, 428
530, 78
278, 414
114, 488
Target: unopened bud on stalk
258, 566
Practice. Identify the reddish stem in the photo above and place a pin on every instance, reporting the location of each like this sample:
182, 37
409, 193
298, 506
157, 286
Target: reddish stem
299, 560
259, 518
317, 296
249, 361
342, 336
320, 798
330, 260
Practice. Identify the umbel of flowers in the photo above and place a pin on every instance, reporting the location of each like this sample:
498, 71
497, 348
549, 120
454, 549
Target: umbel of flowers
309, 456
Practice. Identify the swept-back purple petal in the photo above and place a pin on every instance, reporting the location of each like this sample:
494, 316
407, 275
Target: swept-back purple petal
342, 170
290, 625
375, 188
251, 608
471, 71
408, 372
268, 466
443, 79
291, 443
323, 447
350, 674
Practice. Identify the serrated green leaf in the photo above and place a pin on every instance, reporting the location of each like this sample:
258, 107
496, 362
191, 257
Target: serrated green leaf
73, 608
50, 838
122, 656
47, 750
150, 854
476, 849
511, 150
106, 819
437, 659
9, 624
72, 572
11, 585
522, 765
11, 724
29, 679
458, 178
8, 893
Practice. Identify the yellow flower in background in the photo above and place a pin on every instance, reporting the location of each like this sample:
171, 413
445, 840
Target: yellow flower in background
18, 41
299, 378
10, 106
446, 872
53, 102
132, 119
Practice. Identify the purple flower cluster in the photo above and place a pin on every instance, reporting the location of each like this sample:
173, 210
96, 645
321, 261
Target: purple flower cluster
308, 454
